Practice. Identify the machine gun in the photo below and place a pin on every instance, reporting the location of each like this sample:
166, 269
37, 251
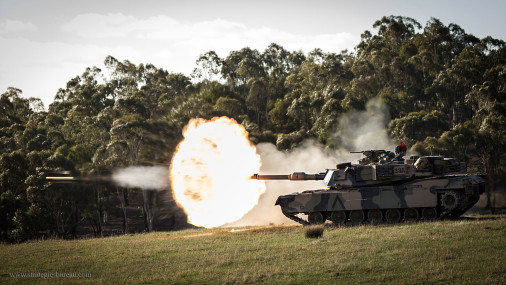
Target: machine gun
374, 156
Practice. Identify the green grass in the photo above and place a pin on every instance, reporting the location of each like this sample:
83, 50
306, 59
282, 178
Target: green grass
464, 251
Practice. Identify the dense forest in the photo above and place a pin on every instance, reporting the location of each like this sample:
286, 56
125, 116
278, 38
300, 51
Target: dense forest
445, 89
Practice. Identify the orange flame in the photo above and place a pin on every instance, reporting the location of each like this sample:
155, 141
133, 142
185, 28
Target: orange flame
210, 172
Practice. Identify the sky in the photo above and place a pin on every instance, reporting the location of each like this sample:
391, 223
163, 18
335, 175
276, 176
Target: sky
45, 43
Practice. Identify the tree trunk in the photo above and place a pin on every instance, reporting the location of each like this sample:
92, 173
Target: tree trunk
122, 199
100, 212
149, 208
93, 226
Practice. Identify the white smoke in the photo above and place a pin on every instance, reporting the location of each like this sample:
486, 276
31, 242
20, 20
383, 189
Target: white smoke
364, 130
143, 177
309, 158
357, 130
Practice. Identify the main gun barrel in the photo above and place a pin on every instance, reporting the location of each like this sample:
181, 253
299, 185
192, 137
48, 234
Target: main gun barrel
293, 176
62, 179
70, 179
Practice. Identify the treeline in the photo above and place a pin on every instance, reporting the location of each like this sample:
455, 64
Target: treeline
445, 90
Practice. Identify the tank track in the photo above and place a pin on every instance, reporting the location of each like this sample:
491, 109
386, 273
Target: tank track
447, 214
448, 211
295, 218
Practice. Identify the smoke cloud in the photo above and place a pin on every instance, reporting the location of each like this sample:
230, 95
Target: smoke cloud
357, 130
143, 177
363, 130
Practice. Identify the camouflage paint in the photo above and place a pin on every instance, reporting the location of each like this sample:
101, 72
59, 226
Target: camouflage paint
384, 183
416, 194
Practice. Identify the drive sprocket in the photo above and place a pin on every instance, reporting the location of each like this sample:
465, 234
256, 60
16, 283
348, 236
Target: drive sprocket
451, 200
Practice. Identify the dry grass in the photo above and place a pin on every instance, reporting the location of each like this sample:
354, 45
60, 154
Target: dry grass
465, 251
314, 231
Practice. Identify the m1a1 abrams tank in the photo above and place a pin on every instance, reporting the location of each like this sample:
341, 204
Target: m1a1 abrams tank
384, 187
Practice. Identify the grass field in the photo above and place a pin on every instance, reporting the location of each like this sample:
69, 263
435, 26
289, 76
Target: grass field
463, 251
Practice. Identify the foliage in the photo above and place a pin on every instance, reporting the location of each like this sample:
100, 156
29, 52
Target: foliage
445, 89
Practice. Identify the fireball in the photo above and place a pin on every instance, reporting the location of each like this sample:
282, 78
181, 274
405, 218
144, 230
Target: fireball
210, 172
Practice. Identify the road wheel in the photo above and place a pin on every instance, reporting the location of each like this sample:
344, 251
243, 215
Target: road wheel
429, 214
315, 218
392, 216
357, 217
411, 215
375, 216
338, 218
451, 200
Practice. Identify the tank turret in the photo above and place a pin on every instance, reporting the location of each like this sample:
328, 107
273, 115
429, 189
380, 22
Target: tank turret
384, 187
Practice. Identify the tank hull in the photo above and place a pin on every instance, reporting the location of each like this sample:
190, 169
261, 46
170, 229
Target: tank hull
445, 196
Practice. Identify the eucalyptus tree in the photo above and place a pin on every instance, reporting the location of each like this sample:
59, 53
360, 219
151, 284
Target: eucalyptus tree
229, 107
239, 66
14, 108
15, 137
278, 65
208, 67
257, 100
